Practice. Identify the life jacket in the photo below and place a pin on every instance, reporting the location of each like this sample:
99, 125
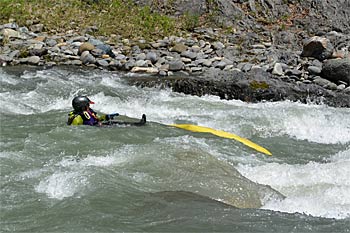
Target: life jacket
83, 118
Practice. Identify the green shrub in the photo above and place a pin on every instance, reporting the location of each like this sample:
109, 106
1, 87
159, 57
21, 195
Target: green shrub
120, 17
258, 85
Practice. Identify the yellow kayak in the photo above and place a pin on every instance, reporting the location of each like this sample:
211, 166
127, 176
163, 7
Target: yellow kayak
223, 134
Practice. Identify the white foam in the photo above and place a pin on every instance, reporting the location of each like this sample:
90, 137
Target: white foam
8, 79
77, 172
96, 161
318, 189
320, 127
36, 173
62, 184
314, 123
317, 205
341, 156
31, 102
15, 103
304, 122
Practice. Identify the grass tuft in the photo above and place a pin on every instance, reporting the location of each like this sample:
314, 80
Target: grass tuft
107, 17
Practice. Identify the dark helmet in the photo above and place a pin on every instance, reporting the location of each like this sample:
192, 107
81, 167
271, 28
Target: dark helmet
80, 103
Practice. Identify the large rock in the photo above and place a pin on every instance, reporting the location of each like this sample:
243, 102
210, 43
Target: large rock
38, 52
37, 28
10, 33
87, 58
176, 65
336, 70
313, 15
85, 47
317, 47
326, 15
2, 61
107, 49
253, 86
179, 48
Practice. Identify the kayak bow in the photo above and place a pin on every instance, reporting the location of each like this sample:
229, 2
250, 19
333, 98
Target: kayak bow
223, 134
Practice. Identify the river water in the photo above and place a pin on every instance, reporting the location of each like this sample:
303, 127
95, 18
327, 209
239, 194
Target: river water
63, 178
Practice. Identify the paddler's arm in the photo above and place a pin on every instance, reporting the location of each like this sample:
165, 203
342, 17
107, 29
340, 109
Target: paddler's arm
107, 117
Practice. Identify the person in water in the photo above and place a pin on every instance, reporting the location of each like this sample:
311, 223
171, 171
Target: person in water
84, 115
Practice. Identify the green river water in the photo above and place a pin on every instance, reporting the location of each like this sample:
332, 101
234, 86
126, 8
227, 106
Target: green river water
59, 178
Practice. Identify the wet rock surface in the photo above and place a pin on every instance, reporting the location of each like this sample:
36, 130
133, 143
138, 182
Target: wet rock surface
254, 86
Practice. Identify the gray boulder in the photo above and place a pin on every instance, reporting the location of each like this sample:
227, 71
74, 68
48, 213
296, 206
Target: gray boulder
336, 70
317, 47
38, 52
176, 65
314, 70
10, 33
33, 60
85, 47
3, 60
103, 63
37, 28
152, 56
87, 58
107, 49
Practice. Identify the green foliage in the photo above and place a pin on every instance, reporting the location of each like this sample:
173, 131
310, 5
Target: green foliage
120, 17
9, 8
152, 22
23, 53
190, 21
285, 17
282, 27
258, 85
103, 17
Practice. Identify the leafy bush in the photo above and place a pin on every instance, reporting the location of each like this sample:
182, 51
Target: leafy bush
121, 17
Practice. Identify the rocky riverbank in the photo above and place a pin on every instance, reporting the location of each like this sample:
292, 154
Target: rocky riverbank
241, 65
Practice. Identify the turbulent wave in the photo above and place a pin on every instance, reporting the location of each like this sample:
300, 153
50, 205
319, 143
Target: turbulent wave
310, 146
318, 189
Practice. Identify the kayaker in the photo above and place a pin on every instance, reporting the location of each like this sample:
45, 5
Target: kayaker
84, 115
